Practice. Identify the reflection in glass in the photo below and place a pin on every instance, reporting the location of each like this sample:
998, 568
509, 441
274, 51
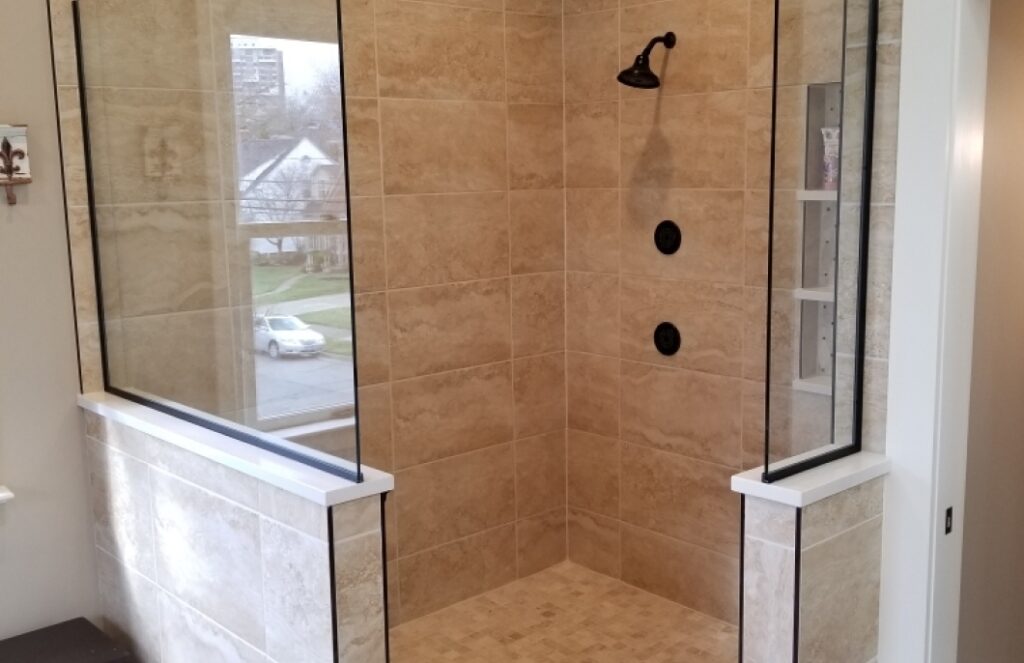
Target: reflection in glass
815, 292
217, 169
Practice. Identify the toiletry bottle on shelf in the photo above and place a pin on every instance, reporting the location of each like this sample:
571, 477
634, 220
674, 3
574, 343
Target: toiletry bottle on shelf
830, 159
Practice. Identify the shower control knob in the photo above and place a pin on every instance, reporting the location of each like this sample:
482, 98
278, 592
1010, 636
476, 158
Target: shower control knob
667, 339
668, 237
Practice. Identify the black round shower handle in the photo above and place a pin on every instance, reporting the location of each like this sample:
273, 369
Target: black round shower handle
667, 339
668, 237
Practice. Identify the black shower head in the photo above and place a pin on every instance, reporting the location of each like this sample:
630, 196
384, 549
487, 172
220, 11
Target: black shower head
640, 74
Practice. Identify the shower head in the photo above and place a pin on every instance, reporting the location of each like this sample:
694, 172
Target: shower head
640, 74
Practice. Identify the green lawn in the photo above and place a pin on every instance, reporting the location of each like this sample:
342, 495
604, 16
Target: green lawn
267, 278
339, 318
338, 347
308, 285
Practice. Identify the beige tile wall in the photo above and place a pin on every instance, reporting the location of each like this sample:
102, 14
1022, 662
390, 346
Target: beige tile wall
654, 440
198, 562
456, 135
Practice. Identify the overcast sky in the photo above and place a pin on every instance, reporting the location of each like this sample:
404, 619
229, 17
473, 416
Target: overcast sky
304, 61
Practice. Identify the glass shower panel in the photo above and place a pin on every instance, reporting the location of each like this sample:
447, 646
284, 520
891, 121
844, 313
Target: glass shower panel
821, 116
216, 146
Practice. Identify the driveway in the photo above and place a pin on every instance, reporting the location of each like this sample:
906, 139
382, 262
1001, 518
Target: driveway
289, 385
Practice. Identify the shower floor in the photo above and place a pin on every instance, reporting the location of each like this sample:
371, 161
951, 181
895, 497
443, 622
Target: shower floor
565, 614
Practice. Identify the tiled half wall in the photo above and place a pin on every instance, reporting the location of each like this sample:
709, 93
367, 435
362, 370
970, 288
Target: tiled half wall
198, 562
811, 578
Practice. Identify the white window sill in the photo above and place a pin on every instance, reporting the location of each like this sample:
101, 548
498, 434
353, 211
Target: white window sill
812, 486
292, 476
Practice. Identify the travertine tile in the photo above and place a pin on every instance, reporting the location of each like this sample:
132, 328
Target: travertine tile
188, 635
771, 521
594, 542
535, 146
438, 416
463, 324
680, 497
762, 43
373, 356
363, 127
592, 230
593, 393
589, 6
540, 474
296, 512
539, 394
215, 477
768, 599
594, 473
375, 427
443, 238
591, 145
709, 317
447, 574
433, 51
359, 46
787, 240
359, 583
355, 518
712, 223
695, 414
454, 498
790, 134
538, 313
367, 228
538, 230
708, 128
712, 57
841, 512
537, 7
208, 555
533, 46
540, 541
130, 605
591, 56
443, 146
839, 590
810, 42
592, 313
539, 618
297, 594
122, 507
696, 577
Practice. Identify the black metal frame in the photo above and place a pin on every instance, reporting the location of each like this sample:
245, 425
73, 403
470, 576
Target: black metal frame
871, 66
238, 433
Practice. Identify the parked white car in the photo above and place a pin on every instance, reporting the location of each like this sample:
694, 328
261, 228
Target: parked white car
280, 335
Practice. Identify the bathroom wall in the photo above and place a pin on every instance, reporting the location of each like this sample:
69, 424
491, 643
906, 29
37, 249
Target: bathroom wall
654, 440
992, 582
455, 121
199, 562
46, 559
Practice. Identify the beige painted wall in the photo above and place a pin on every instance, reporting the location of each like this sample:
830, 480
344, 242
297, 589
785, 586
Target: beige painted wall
46, 565
992, 595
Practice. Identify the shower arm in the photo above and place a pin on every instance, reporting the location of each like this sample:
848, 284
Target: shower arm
669, 39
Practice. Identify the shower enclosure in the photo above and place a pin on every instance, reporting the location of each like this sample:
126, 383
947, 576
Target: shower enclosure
581, 306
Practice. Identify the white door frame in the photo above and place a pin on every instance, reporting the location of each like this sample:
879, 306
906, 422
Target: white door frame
941, 129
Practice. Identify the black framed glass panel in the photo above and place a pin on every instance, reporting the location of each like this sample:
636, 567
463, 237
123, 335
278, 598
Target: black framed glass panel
215, 140
822, 121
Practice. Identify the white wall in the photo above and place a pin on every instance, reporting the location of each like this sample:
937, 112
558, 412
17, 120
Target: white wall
992, 590
46, 565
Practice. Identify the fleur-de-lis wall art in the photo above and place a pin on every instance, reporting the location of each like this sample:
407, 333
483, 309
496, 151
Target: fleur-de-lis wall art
14, 166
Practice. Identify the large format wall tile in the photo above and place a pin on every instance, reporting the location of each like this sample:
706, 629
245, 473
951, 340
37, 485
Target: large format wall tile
443, 146
455, 497
540, 541
592, 313
591, 56
535, 146
188, 635
594, 542
538, 313
592, 230
697, 577
451, 413
594, 473
208, 555
694, 414
450, 573
680, 497
712, 223
533, 46
593, 393
130, 605
537, 230
443, 238
709, 317
360, 595
446, 327
591, 145
539, 394
432, 51
540, 474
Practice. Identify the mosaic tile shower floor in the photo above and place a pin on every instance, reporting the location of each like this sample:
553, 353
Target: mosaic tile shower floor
565, 614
